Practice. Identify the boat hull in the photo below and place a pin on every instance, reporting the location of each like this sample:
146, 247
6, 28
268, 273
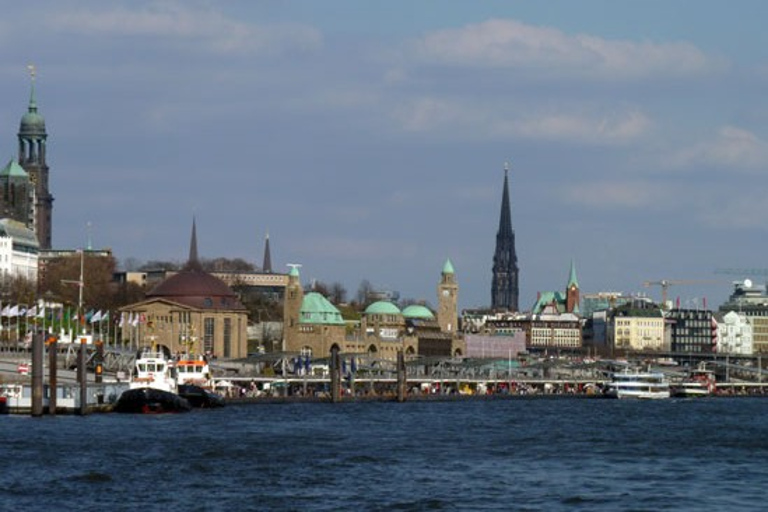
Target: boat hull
150, 401
200, 397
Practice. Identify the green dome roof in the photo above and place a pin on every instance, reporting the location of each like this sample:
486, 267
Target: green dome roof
316, 309
448, 267
382, 307
31, 121
13, 169
418, 311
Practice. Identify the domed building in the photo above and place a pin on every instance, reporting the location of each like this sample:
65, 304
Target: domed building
313, 326
190, 311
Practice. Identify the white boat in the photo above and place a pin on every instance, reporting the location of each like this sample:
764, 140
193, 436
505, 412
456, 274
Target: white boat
638, 384
699, 383
153, 387
191, 369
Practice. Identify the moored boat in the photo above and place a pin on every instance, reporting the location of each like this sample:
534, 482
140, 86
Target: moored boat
638, 384
198, 396
153, 387
699, 383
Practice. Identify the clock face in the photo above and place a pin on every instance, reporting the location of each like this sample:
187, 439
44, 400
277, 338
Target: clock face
446, 293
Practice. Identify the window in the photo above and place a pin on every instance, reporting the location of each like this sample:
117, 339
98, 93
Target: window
227, 337
208, 328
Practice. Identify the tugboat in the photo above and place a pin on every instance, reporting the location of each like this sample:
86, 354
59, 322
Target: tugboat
195, 382
153, 388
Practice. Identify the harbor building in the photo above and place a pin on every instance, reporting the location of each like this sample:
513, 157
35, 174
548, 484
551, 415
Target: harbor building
189, 311
505, 286
691, 331
19, 251
636, 327
734, 334
752, 301
313, 326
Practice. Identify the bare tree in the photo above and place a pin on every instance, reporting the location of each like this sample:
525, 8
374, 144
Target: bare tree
337, 293
364, 292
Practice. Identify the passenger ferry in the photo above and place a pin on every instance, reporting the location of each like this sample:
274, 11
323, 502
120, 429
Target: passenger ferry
699, 383
638, 384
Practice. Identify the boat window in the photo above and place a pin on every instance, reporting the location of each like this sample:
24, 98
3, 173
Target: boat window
142, 367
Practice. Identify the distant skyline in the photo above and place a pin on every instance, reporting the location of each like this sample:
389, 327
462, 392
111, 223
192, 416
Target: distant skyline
369, 138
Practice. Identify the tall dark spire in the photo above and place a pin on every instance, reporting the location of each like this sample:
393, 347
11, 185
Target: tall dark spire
504, 288
267, 266
193, 263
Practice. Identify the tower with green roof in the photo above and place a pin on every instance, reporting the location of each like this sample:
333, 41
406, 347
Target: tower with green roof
504, 287
448, 297
16, 194
32, 157
572, 291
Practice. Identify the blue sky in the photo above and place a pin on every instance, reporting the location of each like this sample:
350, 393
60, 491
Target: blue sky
369, 138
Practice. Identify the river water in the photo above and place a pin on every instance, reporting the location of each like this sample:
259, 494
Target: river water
534, 454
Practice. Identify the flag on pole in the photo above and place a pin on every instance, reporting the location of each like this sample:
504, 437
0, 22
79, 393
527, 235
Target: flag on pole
96, 317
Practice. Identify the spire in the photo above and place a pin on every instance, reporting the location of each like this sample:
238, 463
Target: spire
504, 288
193, 263
267, 266
572, 281
505, 219
448, 267
32, 103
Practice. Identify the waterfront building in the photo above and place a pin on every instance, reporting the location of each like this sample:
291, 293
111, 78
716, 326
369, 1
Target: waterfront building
734, 333
505, 286
313, 326
191, 310
19, 251
752, 301
559, 302
691, 330
601, 301
500, 346
636, 327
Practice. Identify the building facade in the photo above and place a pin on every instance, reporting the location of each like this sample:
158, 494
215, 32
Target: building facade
505, 291
19, 251
751, 300
692, 331
636, 329
191, 311
734, 334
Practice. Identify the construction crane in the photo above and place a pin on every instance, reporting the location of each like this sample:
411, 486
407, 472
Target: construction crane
666, 283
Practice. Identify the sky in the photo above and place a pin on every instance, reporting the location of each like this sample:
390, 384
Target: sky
368, 139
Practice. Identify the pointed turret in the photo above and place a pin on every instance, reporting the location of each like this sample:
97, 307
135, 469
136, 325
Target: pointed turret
572, 291
504, 288
447, 298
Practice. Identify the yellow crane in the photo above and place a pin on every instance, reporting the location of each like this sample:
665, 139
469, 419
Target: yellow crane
666, 283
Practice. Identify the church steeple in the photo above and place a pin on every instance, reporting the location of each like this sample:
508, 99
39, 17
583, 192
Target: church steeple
193, 263
267, 266
32, 152
504, 288
572, 291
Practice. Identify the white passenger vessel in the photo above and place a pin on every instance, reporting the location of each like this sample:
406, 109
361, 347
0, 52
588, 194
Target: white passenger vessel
638, 384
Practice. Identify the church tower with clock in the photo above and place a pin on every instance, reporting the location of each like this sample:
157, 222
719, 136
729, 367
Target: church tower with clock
32, 158
448, 298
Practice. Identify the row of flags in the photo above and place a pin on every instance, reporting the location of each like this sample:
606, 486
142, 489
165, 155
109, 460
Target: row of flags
66, 316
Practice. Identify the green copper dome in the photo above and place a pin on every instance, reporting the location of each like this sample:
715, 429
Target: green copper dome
32, 123
418, 311
382, 307
448, 267
14, 170
316, 309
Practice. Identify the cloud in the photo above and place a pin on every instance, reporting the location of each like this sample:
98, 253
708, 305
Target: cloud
617, 194
734, 147
172, 20
504, 43
573, 124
